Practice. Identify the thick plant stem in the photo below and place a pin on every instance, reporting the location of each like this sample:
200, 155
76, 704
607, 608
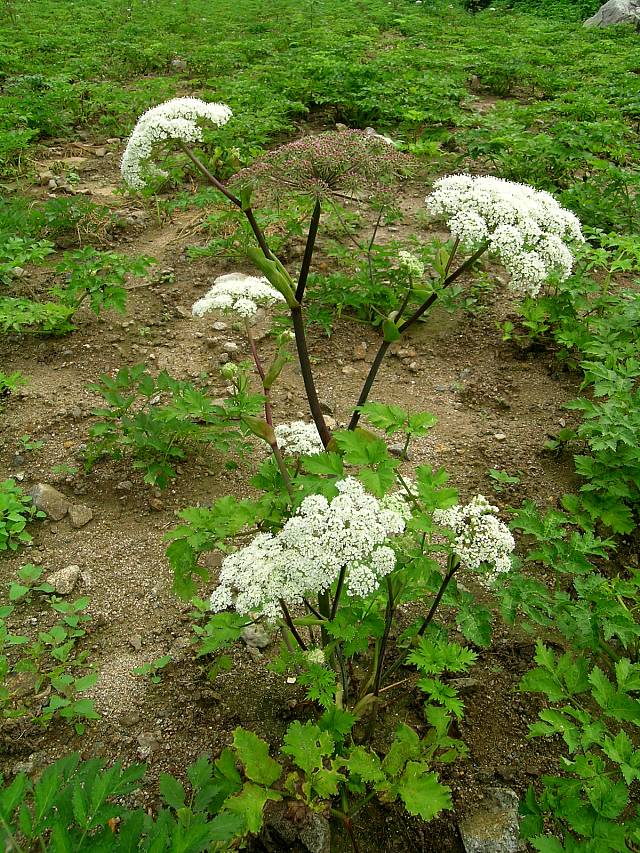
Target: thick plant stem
257, 231
307, 375
452, 565
377, 680
308, 252
366, 388
268, 415
282, 468
384, 346
291, 626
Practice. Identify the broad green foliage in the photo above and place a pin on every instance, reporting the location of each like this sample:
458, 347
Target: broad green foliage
157, 420
78, 805
49, 661
595, 324
86, 274
16, 510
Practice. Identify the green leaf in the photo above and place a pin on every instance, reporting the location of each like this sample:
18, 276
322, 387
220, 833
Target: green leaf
365, 763
324, 463
422, 793
249, 804
253, 752
390, 331
172, 791
405, 747
307, 745
547, 844
383, 416
608, 800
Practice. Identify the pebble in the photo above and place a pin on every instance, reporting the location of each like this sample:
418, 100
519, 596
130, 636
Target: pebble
49, 500
493, 827
255, 636
397, 449
499, 436
219, 326
79, 515
230, 346
360, 351
64, 580
124, 486
135, 641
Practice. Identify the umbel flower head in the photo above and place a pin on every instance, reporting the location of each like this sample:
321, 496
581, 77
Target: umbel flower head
239, 294
299, 437
306, 556
480, 537
175, 119
325, 164
530, 233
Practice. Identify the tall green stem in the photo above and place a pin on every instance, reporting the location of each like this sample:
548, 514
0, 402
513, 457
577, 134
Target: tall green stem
384, 346
307, 375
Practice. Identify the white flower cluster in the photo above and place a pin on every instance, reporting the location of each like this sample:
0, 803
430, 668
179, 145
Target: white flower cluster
306, 556
527, 229
175, 119
411, 264
316, 655
238, 294
480, 536
299, 437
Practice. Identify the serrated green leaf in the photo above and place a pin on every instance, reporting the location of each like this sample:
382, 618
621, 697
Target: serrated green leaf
253, 752
422, 793
249, 804
307, 745
172, 791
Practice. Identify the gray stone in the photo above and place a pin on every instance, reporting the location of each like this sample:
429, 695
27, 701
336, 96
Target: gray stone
50, 501
135, 641
398, 449
289, 822
616, 12
64, 580
148, 742
230, 346
493, 827
219, 326
124, 486
79, 515
255, 636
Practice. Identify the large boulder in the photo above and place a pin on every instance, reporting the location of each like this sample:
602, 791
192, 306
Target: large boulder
616, 12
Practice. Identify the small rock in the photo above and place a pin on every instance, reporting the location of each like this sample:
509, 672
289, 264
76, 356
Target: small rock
397, 449
466, 685
230, 346
499, 436
224, 358
79, 515
124, 486
219, 326
289, 822
130, 718
493, 827
348, 370
135, 641
441, 387
180, 647
332, 423
360, 351
183, 312
256, 636
50, 501
148, 743
414, 367
64, 580
100, 152
156, 504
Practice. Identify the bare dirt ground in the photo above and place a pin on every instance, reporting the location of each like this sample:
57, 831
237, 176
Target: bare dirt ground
495, 406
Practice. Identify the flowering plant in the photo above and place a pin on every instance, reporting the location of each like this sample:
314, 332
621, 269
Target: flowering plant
339, 539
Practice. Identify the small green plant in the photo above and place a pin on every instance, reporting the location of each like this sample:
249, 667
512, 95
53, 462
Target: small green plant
502, 480
16, 510
158, 419
29, 444
49, 664
10, 382
153, 669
